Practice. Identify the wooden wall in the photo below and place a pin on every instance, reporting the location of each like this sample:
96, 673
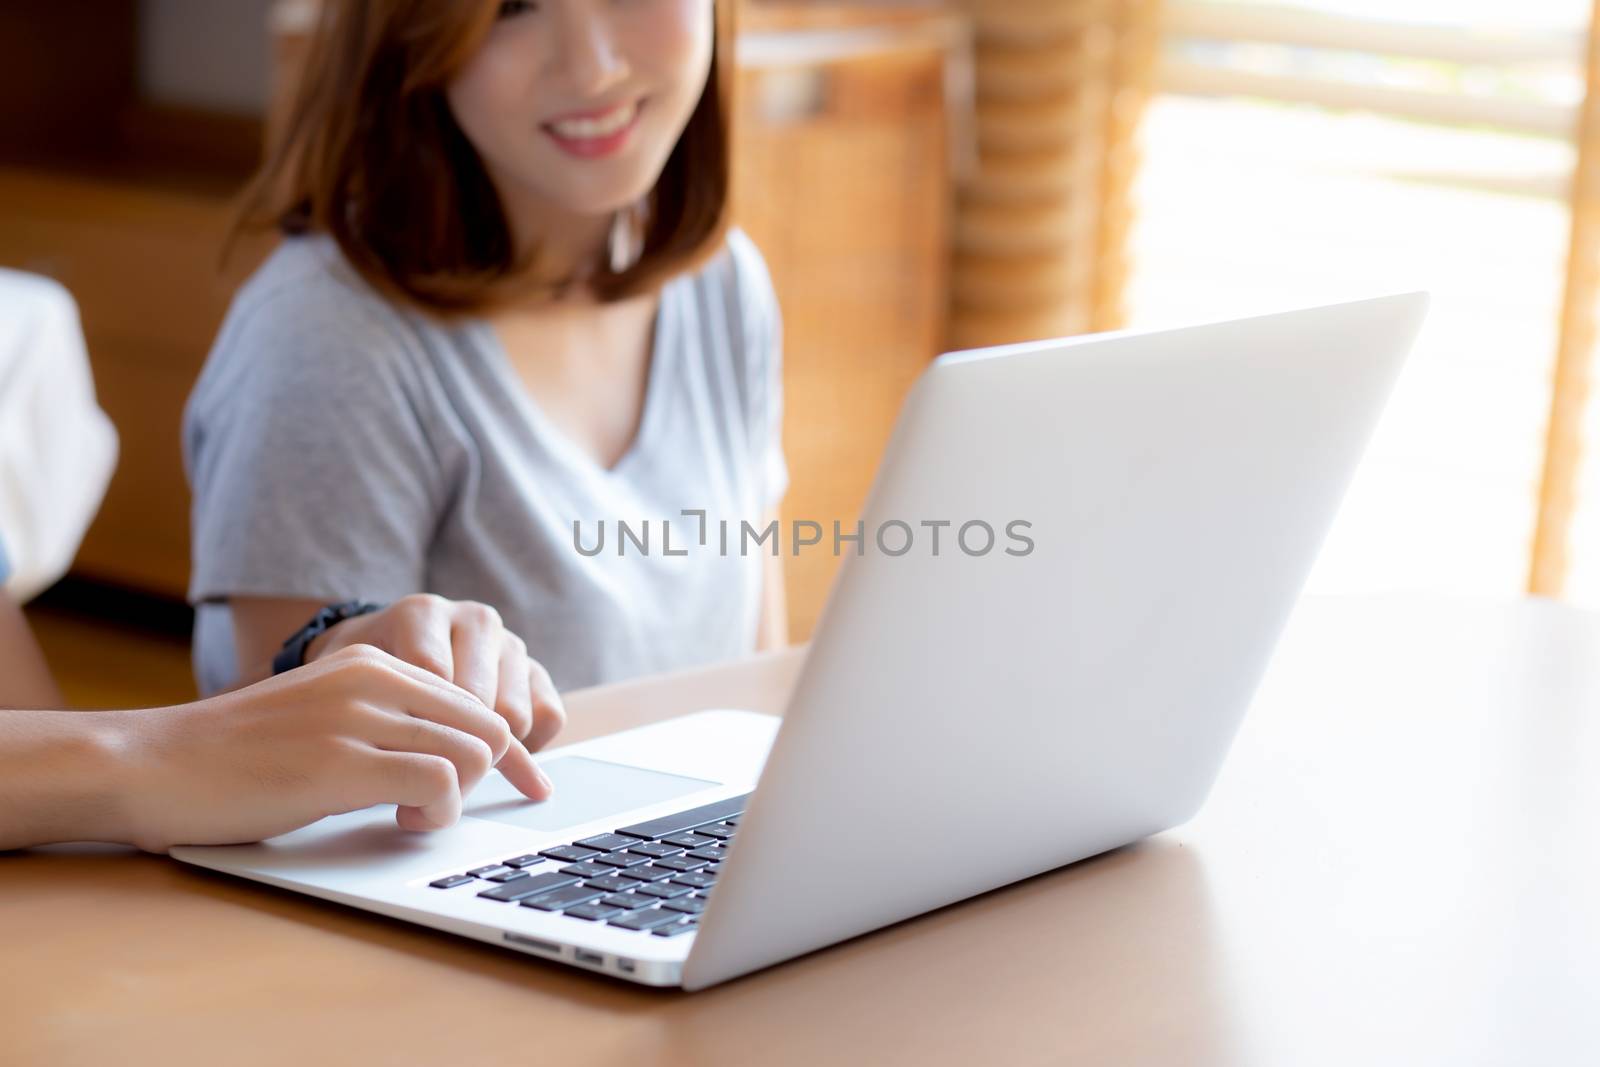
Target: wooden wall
844, 181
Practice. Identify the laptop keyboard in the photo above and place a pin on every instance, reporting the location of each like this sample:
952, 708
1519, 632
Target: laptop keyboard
652, 877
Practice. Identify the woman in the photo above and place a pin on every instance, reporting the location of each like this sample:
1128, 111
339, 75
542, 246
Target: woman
506, 308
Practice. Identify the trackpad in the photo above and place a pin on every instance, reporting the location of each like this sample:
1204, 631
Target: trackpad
586, 789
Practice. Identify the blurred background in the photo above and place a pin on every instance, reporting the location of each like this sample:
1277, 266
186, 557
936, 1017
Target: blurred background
925, 176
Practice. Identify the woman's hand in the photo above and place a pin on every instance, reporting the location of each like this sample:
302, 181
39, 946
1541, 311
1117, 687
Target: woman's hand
357, 728
466, 643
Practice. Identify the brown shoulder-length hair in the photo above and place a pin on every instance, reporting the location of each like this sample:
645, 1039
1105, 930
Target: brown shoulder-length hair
371, 154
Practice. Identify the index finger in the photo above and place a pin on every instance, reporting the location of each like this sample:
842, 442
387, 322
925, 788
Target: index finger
521, 771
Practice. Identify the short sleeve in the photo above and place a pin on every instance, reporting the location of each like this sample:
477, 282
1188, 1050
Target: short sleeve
762, 334
57, 448
307, 445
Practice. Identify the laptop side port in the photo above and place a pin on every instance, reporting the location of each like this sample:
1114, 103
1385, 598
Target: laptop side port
548, 947
593, 959
627, 966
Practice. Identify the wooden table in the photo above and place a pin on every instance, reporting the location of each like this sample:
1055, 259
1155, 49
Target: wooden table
1400, 864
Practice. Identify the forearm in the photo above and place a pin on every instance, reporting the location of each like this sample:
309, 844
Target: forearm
260, 625
61, 777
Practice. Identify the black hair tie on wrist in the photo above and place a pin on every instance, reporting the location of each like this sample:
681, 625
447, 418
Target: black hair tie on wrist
293, 653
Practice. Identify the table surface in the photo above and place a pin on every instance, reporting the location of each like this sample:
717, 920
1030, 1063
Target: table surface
1399, 864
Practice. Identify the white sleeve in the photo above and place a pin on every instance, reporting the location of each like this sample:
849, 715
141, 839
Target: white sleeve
57, 448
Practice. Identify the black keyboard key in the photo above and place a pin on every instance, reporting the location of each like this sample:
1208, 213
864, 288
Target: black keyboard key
452, 881
622, 859
719, 831
670, 824
630, 901
509, 874
611, 883
681, 863
484, 872
655, 849
561, 899
663, 890
713, 855
569, 853
652, 873
531, 886
733, 821
585, 870
697, 879
597, 912
645, 920
606, 842
677, 929
529, 860
689, 906
690, 840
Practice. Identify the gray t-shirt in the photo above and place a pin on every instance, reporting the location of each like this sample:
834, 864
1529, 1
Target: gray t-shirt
342, 446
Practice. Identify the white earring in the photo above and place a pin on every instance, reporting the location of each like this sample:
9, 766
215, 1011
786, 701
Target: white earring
627, 238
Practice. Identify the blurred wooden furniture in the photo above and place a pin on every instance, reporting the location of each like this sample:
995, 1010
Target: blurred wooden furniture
132, 653
142, 261
842, 175
124, 202
1396, 865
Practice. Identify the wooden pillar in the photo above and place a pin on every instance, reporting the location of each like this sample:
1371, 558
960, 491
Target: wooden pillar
1041, 227
1136, 46
1558, 493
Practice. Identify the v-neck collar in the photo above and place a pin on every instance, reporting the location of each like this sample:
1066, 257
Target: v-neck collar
654, 398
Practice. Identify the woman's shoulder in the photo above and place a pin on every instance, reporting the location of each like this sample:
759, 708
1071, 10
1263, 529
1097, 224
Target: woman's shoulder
740, 271
738, 328
743, 257
736, 291
306, 328
306, 313
307, 280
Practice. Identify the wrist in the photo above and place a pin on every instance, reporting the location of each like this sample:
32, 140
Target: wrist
321, 644
129, 749
72, 781
311, 640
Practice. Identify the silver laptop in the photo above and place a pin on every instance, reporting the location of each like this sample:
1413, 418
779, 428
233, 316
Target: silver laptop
1076, 561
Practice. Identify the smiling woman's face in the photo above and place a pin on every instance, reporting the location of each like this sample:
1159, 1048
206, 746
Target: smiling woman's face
575, 105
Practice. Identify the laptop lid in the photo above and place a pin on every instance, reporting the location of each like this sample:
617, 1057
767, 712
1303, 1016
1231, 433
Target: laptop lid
1075, 562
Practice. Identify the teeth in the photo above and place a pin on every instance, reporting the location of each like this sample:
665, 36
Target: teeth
591, 129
